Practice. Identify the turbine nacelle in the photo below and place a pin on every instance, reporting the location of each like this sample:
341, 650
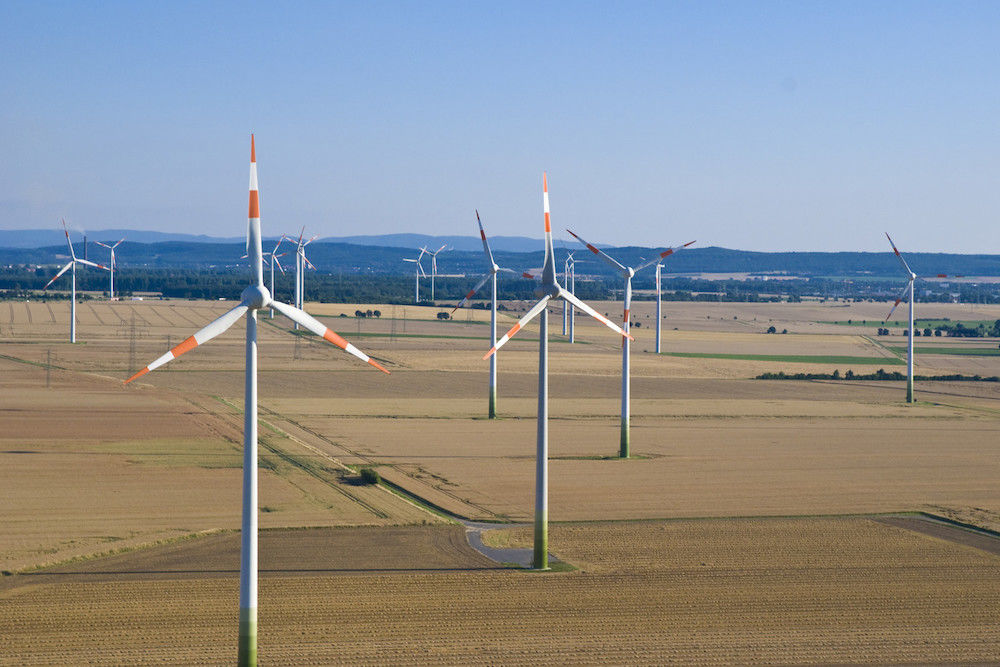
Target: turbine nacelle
547, 289
256, 297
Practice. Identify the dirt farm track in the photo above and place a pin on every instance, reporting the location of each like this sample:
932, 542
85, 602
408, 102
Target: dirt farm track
759, 522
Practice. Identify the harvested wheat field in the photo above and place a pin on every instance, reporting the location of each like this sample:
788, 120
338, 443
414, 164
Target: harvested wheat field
148, 475
696, 592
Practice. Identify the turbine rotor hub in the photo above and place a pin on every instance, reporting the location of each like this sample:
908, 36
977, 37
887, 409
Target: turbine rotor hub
256, 297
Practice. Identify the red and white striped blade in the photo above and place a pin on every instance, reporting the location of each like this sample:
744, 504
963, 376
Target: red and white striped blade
202, 336
600, 253
118, 244
68, 242
473, 291
94, 264
320, 329
663, 255
899, 256
593, 313
898, 301
530, 315
306, 260
550, 255
61, 271
532, 274
253, 210
486, 244
104, 245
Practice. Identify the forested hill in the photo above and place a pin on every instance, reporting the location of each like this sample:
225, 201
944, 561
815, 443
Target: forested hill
349, 258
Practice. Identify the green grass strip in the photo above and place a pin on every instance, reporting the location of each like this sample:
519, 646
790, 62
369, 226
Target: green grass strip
958, 351
793, 358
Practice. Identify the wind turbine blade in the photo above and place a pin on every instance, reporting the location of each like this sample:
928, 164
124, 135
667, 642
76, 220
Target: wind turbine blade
301, 234
549, 266
473, 291
666, 253
68, 242
278, 263
603, 255
61, 271
118, 244
899, 257
104, 245
320, 329
486, 244
94, 264
508, 270
310, 241
902, 295
278, 244
308, 262
530, 315
532, 274
593, 313
202, 336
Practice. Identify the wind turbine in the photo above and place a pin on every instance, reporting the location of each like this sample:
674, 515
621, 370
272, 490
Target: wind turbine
911, 276
273, 259
114, 265
255, 297
72, 265
434, 267
417, 272
569, 276
300, 271
492, 273
547, 290
627, 273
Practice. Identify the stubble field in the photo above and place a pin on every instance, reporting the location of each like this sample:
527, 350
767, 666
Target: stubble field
92, 467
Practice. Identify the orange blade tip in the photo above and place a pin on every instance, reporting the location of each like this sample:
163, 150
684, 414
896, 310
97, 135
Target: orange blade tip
138, 375
253, 149
378, 366
489, 354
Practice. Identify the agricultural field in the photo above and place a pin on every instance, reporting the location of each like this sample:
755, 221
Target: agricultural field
694, 592
102, 478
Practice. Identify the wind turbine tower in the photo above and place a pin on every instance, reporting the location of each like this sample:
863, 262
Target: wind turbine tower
114, 265
492, 273
272, 258
418, 271
911, 276
434, 267
254, 298
300, 271
74, 260
547, 290
627, 273
659, 316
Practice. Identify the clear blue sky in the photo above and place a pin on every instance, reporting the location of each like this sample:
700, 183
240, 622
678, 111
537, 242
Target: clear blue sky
763, 126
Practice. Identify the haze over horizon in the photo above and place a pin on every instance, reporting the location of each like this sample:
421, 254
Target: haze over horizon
768, 127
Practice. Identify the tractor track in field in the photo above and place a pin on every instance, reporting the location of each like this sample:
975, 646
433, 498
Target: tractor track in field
52, 315
96, 314
155, 310
305, 466
374, 461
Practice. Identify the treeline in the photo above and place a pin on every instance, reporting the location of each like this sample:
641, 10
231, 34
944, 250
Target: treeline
880, 374
359, 285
